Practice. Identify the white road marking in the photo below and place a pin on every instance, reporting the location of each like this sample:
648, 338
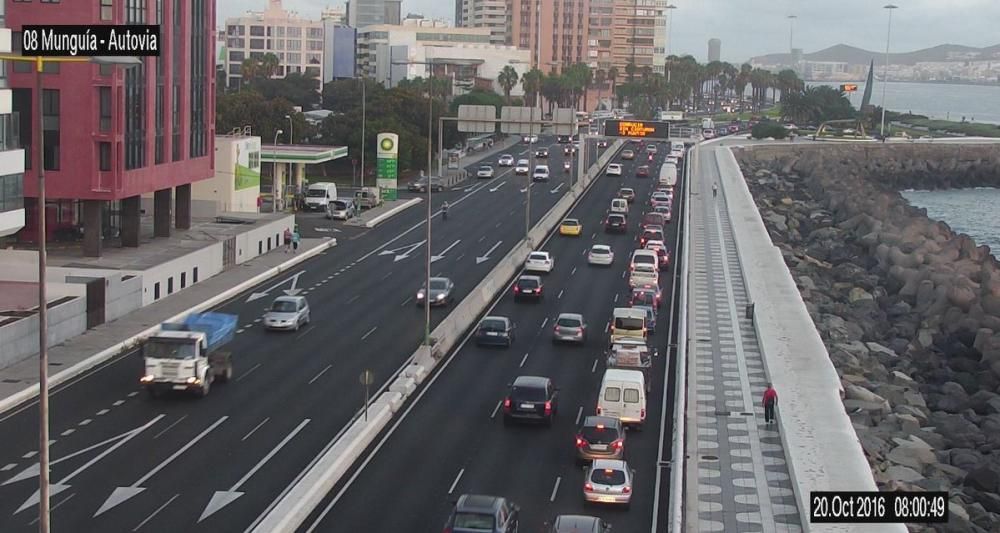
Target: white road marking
8, 467
501, 223
546, 321
29, 455
355, 297
523, 360
555, 489
406, 302
623, 274
579, 413
483, 238
583, 252
593, 236
241, 330
365, 336
133, 394
245, 326
254, 430
178, 421
54, 507
387, 276
304, 332
157, 511
572, 271
317, 376
495, 409
594, 368
103, 412
257, 320
247, 373
616, 298
560, 294
68, 432
455, 483
84, 422
459, 258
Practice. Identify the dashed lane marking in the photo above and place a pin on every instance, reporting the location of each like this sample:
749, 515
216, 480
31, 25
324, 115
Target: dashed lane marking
247, 373
495, 409
546, 321
523, 360
241, 330
8, 467
366, 335
103, 412
355, 297
54, 507
317, 376
164, 430
455, 483
252, 431
579, 413
118, 402
84, 422
68, 432
555, 489
406, 301
133, 394
572, 271
594, 368
560, 295
156, 512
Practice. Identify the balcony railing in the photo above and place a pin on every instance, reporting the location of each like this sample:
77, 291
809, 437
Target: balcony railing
10, 132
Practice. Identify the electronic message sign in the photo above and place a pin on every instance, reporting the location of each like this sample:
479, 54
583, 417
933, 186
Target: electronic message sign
643, 129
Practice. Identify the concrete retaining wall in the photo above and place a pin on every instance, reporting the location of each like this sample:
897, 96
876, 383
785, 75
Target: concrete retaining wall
19, 339
820, 443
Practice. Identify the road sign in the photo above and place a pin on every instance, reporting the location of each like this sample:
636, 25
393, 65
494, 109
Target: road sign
637, 128
387, 169
473, 118
367, 377
521, 120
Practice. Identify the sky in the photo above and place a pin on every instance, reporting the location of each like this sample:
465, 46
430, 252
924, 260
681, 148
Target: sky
755, 27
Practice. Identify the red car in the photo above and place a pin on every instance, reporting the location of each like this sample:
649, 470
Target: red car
642, 172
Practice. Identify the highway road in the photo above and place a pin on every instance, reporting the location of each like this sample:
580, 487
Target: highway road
122, 462
451, 439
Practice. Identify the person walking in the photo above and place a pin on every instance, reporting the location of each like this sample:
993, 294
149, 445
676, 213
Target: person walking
295, 241
288, 240
715, 190
444, 211
770, 400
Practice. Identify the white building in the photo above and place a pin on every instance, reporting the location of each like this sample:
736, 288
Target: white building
490, 14
297, 42
236, 184
11, 153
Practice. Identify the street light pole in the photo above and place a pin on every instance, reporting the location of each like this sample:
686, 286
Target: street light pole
274, 174
885, 78
364, 101
791, 33
430, 187
291, 130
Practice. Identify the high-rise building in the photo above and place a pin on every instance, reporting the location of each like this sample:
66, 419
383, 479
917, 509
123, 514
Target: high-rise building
11, 153
714, 50
336, 15
563, 26
490, 14
361, 13
339, 45
297, 42
639, 34
129, 131
383, 49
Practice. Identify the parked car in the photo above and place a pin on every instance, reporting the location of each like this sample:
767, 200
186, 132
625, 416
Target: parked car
287, 313
495, 331
477, 513
341, 209
531, 398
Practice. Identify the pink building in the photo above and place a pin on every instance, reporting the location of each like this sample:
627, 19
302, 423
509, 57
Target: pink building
112, 133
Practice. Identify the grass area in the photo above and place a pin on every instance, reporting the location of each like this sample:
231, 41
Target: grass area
940, 127
772, 112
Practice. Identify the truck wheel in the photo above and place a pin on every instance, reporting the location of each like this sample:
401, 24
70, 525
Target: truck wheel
226, 375
205, 387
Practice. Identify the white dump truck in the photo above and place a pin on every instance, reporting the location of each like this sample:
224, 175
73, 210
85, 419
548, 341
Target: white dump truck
185, 356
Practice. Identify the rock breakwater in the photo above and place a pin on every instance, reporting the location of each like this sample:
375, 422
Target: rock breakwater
908, 309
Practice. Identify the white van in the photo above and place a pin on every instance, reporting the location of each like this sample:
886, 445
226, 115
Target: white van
668, 175
623, 395
619, 205
628, 323
319, 195
642, 256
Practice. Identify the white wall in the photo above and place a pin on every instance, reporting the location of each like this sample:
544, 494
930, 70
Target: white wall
19, 339
206, 262
248, 244
218, 194
11, 222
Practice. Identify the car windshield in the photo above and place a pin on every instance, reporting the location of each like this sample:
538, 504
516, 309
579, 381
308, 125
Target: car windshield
645, 268
627, 191
486, 168
538, 257
608, 476
438, 284
600, 251
527, 283
631, 395
283, 306
615, 219
569, 322
643, 296
571, 222
493, 325
340, 206
599, 434
475, 521
628, 323
316, 193
528, 394
159, 348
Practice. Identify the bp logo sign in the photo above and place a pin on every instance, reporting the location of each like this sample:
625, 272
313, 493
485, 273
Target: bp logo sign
387, 144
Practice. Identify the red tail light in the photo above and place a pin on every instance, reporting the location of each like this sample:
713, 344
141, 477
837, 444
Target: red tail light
506, 404
599, 409
642, 414
447, 530
548, 408
587, 487
581, 442
517, 289
618, 444
626, 490
555, 329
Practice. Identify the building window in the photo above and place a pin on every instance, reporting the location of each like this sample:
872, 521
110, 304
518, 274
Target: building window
183, 279
21, 67
194, 275
11, 192
50, 128
253, 160
21, 103
105, 70
104, 97
135, 12
135, 117
256, 31
104, 156
257, 44
176, 150
156, 291
170, 285
158, 143
235, 55
199, 79
107, 9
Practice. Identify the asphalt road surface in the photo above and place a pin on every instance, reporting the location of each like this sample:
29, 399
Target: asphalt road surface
123, 462
452, 441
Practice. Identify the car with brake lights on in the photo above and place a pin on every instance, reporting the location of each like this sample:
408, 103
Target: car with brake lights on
539, 262
614, 169
663, 209
570, 227
658, 197
600, 254
570, 523
651, 148
439, 293
653, 219
522, 168
485, 171
661, 252
646, 294
609, 481
600, 437
570, 327
542, 152
495, 331
288, 313
627, 193
650, 233
531, 398
643, 274
479, 513
528, 287
506, 160
616, 222
628, 155
642, 171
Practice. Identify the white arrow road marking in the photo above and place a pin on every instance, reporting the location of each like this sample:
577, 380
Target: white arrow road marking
553, 191
60, 486
406, 251
469, 189
494, 189
292, 291
222, 498
327, 230
486, 257
440, 256
259, 295
121, 494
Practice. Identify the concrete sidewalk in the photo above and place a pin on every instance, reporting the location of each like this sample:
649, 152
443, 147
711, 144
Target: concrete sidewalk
460, 175
19, 382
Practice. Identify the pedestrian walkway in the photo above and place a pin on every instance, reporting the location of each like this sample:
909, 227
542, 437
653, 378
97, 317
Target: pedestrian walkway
742, 482
15, 379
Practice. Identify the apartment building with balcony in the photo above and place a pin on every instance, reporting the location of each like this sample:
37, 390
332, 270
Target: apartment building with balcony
390, 53
639, 34
564, 28
490, 14
11, 153
297, 42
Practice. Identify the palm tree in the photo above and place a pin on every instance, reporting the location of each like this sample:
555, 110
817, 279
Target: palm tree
630, 71
531, 82
269, 65
742, 80
599, 77
507, 79
613, 76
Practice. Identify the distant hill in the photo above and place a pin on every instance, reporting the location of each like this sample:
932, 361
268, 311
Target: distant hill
858, 56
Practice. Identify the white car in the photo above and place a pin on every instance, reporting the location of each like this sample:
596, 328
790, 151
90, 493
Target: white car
600, 254
541, 173
506, 160
671, 160
614, 169
485, 171
608, 481
530, 139
644, 273
522, 168
539, 262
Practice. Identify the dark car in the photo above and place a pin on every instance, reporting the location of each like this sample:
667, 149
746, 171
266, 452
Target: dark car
440, 293
616, 223
531, 398
642, 172
542, 152
653, 219
600, 437
528, 287
495, 331
643, 296
575, 523
602, 143
420, 185
663, 254
479, 513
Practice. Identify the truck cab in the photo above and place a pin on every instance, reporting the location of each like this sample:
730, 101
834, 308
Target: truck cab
184, 357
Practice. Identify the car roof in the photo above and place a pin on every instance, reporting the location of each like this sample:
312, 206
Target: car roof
594, 420
478, 503
600, 246
440, 279
539, 252
289, 298
627, 189
614, 464
535, 382
617, 215
581, 523
530, 278
615, 165
495, 317
575, 316
570, 221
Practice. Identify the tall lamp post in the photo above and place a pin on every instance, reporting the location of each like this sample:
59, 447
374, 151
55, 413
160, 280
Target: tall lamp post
364, 105
291, 131
43, 326
885, 77
791, 32
670, 33
275, 197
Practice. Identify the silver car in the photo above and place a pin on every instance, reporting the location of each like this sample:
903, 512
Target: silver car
440, 293
608, 481
341, 209
287, 313
570, 327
